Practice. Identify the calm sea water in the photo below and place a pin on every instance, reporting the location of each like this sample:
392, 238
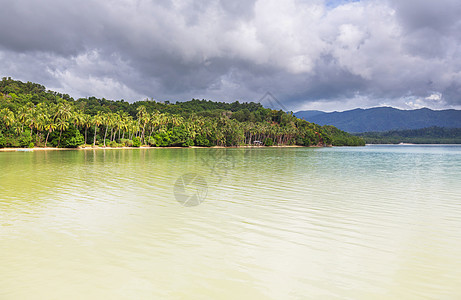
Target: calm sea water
376, 222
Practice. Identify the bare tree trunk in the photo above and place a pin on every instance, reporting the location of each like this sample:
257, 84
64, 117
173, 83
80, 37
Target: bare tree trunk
94, 142
59, 141
105, 135
46, 140
142, 136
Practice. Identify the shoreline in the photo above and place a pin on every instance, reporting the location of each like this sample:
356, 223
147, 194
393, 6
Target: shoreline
133, 148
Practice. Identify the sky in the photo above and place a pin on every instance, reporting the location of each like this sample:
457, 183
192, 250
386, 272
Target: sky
310, 54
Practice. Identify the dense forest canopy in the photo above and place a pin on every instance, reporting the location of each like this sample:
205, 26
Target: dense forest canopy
32, 116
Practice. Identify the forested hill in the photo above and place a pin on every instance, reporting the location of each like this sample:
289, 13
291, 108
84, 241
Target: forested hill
384, 119
37, 93
31, 116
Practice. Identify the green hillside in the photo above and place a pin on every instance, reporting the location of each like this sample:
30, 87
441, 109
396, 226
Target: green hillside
32, 116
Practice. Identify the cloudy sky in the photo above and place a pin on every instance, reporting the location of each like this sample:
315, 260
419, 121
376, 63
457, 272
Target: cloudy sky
310, 54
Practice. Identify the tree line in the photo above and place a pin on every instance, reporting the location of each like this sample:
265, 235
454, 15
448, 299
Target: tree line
428, 135
31, 116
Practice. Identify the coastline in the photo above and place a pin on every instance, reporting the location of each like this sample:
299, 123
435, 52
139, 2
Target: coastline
145, 147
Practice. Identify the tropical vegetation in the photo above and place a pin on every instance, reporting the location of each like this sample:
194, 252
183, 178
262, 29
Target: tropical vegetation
31, 116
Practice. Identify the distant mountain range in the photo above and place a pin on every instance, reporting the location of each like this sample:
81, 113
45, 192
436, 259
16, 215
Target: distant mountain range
383, 119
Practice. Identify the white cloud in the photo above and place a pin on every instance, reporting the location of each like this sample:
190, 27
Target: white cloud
434, 97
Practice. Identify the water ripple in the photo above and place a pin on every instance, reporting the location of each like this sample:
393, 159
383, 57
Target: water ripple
373, 222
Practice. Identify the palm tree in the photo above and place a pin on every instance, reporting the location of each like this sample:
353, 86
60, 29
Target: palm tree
7, 116
39, 126
61, 124
77, 119
127, 120
143, 119
97, 121
107, 122
116, 120
31, 118
63, 113
41, 113
87, 120
134, 128
49, 125
22, 116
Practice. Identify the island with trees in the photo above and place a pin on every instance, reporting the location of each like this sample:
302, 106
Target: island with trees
428, 135
31, 116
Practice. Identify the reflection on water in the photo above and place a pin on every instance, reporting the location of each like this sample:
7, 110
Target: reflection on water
378, 222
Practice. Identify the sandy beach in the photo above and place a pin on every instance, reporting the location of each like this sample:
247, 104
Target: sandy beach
132, 148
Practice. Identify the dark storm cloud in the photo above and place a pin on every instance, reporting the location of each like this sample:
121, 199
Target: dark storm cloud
346, 53
47, 26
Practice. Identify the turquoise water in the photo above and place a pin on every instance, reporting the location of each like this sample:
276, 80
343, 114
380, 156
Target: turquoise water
375, 222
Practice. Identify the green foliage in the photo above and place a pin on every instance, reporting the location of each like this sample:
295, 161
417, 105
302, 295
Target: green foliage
162, 139
187, 143
3, 141
151, 142
201, 140
179, 136
243, 115
340, 138
30, 114
73, 142
429, 135
126, 143
72, 138
136, 142
25, 139
268, 142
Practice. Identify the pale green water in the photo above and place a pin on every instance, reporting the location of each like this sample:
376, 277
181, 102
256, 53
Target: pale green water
378, 222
